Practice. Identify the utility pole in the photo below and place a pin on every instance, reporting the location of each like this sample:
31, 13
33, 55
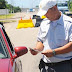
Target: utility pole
21, 5
12, 3
6, 10
69, 4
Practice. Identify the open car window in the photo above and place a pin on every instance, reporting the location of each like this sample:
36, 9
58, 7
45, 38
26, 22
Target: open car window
3, 48
8, 40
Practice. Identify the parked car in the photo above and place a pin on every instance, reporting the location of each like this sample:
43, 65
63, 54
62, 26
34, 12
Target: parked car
31, 10
69, 14
63, 7
9, 61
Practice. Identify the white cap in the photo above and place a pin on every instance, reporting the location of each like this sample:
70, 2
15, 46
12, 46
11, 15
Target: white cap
45, 5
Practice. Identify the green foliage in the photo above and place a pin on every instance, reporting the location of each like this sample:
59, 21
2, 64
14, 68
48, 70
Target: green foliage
9, 6
13, 8
2, 4
17, 9
70, 5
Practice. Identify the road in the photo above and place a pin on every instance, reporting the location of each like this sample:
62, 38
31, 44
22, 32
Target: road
24, 37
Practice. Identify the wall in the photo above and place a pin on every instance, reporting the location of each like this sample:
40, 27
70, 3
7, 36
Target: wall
4, 11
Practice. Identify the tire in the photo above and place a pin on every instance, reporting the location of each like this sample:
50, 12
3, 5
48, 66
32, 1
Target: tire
18, 65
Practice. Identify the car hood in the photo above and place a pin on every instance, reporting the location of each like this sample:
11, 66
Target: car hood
4, 65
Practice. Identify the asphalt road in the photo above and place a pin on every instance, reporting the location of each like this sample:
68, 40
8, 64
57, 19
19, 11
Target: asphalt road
24, 37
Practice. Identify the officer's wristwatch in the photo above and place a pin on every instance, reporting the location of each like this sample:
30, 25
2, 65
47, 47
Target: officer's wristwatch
54, 53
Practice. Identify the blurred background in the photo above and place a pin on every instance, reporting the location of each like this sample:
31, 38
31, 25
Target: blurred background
8, 8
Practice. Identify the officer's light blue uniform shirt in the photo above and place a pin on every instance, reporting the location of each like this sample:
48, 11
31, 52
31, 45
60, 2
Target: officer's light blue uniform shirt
54, 34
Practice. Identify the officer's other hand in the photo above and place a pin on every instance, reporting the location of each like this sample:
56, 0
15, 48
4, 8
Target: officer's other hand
48, 53
33, 52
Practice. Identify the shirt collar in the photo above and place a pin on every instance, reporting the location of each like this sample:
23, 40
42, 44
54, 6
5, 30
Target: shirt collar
47, 20
60, 20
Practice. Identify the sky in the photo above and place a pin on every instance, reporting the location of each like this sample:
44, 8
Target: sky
26, 3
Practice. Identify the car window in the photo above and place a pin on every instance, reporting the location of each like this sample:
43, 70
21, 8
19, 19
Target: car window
3, 48
8, 40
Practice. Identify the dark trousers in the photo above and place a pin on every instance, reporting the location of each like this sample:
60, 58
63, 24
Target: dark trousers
64, 66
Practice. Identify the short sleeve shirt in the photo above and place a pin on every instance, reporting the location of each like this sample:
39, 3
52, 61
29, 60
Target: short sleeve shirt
54, 34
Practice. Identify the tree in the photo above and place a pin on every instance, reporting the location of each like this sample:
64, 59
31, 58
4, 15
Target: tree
10, 7
70, 5
2, 4
17, 9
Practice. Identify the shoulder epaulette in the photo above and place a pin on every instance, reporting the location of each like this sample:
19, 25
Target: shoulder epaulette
68, 21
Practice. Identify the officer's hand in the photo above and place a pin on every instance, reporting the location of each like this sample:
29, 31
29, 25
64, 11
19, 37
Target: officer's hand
33, 52
48, 53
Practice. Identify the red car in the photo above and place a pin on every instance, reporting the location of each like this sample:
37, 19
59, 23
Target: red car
9, 61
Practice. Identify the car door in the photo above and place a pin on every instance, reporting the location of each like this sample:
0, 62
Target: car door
10, 48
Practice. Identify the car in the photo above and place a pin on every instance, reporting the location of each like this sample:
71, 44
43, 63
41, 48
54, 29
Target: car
9, 56
38, 20
63, 7
69, 14
31, 10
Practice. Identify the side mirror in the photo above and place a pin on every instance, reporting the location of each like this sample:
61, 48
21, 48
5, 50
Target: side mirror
19, 51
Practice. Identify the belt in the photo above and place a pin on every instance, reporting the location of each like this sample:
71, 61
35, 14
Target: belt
57, 63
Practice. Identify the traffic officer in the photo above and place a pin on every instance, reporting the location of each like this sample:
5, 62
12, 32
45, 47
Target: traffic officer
54, 39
